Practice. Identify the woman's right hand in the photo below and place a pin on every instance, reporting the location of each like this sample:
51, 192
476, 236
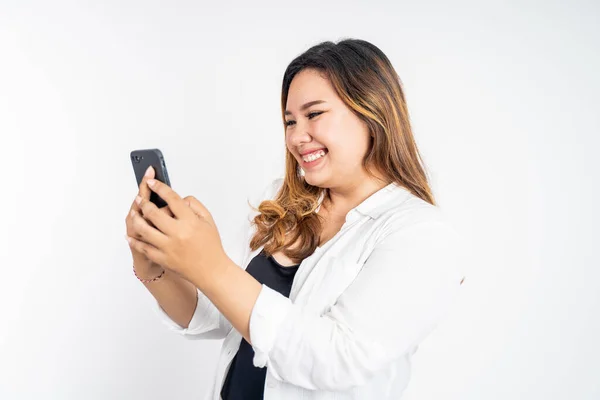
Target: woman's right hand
143, 266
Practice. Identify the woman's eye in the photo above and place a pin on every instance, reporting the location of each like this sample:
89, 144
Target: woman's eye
310, 116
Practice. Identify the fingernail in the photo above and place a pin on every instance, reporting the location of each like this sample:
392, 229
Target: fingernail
138, 200
128, 238
148, 171
151, 182
132, 213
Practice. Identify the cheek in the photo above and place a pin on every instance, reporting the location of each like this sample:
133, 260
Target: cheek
347, 147
289, 144
344, 134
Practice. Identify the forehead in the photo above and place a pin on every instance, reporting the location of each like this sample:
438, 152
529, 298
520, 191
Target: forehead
309, 85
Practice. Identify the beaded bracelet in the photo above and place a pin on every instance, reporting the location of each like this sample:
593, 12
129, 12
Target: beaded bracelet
148, 280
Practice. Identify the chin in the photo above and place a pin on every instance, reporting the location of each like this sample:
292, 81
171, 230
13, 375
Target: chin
314, 179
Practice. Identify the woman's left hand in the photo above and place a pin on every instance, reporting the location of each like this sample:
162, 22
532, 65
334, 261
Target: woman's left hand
188, 243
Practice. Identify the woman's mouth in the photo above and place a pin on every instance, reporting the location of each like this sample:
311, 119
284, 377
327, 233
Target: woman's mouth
313, 159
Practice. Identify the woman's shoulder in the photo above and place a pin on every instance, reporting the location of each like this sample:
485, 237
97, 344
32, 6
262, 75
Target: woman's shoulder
408, 209
415, 216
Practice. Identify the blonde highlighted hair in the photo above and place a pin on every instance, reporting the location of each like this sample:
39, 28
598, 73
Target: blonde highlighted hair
368, 84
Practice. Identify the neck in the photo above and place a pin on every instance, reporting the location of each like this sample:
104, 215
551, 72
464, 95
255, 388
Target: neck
339, 200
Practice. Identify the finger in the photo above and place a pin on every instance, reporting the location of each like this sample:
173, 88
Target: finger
129, 220
178, 207
151, 252
197, 207
167, 211
143, 231
159, 219
144, 192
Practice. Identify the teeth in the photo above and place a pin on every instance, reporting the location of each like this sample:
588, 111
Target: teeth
314, 156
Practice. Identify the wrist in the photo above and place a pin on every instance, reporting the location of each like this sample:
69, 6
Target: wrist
206, 279
150, 274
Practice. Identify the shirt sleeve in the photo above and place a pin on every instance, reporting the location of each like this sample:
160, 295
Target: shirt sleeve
406, 285
207, 321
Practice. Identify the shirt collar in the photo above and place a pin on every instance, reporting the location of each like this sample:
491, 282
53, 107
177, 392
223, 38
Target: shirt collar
376, 204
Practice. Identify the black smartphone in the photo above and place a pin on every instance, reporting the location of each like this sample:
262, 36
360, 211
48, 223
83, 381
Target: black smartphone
142, 159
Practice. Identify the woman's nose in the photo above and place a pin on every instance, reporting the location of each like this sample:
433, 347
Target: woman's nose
299, 135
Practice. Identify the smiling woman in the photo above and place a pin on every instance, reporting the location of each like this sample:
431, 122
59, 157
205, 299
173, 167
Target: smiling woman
348, 263
346, 124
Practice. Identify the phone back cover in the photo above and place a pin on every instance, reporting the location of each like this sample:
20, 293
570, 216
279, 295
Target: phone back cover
141, 160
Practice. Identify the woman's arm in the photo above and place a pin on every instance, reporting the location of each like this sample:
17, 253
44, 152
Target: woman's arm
200, 319
186, 310
233, 291
404, 289
175, 296
204, 321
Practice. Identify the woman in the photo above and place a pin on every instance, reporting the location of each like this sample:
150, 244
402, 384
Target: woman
348, 265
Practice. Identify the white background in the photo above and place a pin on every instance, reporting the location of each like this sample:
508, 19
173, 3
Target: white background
504, 103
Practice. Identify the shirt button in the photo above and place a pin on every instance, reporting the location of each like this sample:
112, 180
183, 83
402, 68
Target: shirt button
271, 383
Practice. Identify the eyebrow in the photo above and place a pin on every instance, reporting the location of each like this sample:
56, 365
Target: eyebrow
305, 106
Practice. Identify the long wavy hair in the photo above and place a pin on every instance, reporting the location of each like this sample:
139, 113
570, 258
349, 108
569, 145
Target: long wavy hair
368, 84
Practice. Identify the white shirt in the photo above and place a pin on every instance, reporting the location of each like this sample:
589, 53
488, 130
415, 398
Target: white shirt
358, 308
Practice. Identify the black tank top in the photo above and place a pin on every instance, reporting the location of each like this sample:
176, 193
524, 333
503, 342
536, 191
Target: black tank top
244, 381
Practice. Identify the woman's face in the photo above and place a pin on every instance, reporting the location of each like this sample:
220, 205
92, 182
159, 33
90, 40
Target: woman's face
328, 125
